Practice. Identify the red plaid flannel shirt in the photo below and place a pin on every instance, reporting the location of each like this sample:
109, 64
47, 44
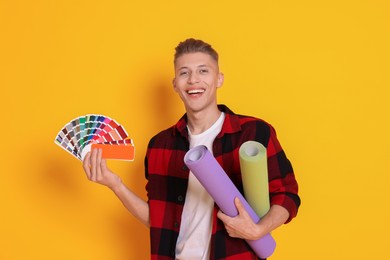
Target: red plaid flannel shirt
167, 183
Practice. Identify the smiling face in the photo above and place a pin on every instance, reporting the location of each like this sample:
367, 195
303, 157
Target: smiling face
197, 78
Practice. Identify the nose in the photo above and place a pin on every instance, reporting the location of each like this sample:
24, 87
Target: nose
193, 78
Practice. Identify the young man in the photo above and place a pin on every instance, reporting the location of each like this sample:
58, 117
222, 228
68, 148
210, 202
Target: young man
184, 221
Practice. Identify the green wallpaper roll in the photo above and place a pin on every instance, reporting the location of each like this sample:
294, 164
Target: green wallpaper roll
254, 170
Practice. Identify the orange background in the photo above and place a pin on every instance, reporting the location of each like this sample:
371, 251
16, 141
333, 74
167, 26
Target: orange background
316, 70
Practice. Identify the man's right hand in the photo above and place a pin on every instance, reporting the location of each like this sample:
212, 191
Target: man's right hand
97, 171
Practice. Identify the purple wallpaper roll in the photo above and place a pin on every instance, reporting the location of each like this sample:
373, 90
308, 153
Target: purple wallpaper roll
214, 179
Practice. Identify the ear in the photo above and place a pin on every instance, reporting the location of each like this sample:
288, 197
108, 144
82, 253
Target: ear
174, 84
221, 79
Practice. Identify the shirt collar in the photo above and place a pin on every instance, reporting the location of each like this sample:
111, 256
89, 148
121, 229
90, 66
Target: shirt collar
230, 125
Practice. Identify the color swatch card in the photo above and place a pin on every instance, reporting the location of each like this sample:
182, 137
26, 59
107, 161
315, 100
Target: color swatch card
88, 132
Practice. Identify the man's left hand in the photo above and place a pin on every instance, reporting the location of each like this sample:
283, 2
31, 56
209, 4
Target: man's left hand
242, 225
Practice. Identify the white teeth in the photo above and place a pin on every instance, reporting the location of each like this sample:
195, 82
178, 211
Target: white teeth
195, 91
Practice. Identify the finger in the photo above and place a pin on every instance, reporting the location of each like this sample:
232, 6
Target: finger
98, 164
93, 164
103, 165
239, 206
87, 165
220, 215
243, 213
104, 168
223, 217
238, 203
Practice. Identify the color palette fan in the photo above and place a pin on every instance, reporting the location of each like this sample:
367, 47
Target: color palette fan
91, 131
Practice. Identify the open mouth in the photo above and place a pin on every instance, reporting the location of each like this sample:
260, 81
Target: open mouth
195, 91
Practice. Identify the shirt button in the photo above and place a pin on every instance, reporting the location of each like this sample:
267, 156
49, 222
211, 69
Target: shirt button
180, 198
185, 168
176, 224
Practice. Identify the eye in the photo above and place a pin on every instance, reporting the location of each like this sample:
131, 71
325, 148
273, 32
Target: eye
183, 73
203, 71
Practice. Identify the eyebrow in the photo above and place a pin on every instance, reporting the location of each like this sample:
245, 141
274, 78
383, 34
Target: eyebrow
200, 66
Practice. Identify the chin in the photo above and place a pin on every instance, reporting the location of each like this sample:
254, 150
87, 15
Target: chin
194, 108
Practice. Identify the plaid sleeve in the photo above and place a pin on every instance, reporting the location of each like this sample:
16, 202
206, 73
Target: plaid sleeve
283, 186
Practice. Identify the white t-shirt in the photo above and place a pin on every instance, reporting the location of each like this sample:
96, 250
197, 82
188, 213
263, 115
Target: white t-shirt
193, 242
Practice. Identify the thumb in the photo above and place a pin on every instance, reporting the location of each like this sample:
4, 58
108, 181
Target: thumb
239, 206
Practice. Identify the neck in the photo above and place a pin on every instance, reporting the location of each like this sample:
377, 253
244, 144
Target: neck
198, 122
